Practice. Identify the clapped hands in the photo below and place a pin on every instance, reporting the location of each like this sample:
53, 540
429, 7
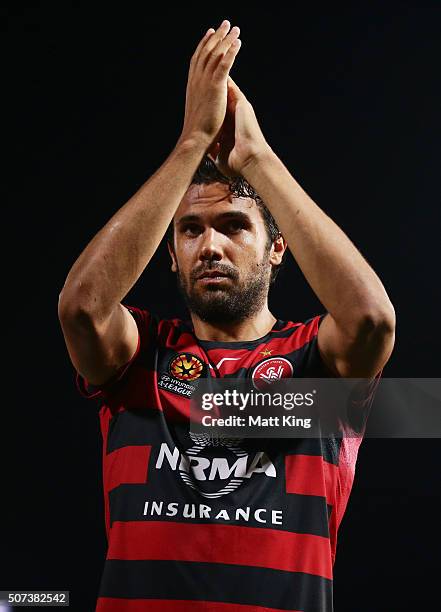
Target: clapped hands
218, 116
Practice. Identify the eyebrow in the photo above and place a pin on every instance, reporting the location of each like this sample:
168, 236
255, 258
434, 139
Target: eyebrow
233, 214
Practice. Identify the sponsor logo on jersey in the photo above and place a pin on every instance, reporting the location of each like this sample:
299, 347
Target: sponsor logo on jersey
211, 476
154, 508
270, 370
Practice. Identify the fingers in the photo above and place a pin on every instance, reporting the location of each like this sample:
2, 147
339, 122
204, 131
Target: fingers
216, 46
222, 47
201, 45
225, 63
214, 40
217, 49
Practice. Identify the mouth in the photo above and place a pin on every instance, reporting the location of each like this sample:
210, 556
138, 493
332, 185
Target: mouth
213, 276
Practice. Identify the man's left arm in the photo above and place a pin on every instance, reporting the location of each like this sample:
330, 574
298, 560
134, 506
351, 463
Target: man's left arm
356, 337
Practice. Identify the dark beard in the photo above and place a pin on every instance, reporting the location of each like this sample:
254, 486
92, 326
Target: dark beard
233, 303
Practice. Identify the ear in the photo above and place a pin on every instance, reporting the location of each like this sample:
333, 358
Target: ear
278, 249
174, 266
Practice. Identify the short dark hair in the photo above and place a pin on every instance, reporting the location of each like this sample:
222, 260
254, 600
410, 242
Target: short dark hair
207, 173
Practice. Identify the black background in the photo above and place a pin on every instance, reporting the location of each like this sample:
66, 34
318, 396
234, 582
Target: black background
347, 95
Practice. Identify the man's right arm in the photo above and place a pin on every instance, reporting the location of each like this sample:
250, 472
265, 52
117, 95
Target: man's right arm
101, 334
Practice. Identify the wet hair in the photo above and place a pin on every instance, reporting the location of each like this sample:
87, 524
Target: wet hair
207, 173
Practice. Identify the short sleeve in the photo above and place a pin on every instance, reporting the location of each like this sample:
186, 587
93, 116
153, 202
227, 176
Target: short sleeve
313, 363
360, 403
143, 320
355, 414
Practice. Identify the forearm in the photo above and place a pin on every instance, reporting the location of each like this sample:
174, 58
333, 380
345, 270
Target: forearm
338, 274
115, 258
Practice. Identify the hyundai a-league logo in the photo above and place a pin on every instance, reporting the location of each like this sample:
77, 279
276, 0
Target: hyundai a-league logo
186, 366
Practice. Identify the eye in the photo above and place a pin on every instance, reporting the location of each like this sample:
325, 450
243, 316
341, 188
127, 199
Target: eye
234, 226
192, 229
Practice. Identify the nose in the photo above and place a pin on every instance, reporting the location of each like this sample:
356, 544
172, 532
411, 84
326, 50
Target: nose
210, 246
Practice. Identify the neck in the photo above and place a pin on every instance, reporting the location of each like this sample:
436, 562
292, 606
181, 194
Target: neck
252, 328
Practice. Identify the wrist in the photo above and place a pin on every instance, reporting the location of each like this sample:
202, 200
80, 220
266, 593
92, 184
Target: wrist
195, 142
256, 161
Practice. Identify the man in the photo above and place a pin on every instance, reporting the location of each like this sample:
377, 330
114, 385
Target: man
195, 523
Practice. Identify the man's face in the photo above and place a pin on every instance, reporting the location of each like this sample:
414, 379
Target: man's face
221, 254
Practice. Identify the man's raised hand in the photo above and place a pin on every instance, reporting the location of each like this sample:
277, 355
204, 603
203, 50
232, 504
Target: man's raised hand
206, 95
240, 141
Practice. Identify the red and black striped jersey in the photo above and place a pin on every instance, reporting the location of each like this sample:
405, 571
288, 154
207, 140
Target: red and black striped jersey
198, 523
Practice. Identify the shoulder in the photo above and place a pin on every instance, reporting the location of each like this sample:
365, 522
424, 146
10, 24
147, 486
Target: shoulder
297, 333
298, 341
157, 331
